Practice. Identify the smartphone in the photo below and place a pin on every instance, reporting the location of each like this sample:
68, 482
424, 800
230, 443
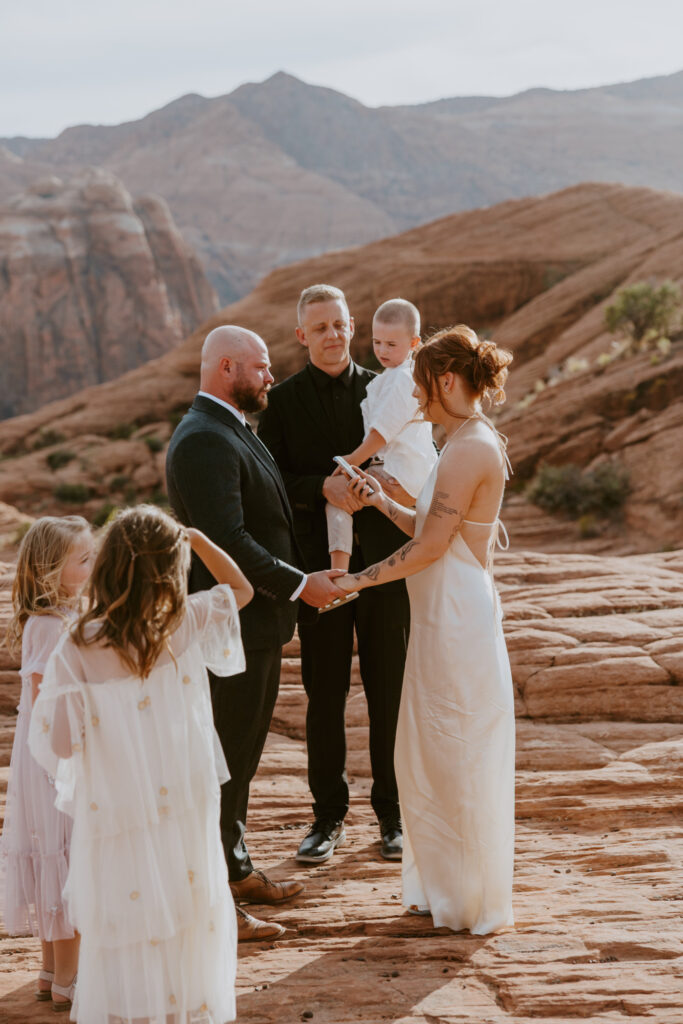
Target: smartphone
347, 467
350, 471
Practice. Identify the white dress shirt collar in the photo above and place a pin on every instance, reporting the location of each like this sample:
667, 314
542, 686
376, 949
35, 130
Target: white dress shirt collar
226, 405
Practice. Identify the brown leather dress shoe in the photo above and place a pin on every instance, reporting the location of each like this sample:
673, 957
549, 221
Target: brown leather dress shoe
258, 888
250, 929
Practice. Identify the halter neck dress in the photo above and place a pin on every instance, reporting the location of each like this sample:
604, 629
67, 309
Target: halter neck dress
455, 742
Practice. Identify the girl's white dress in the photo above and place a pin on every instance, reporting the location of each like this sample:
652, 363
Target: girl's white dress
34, 849
140, 769
455, 744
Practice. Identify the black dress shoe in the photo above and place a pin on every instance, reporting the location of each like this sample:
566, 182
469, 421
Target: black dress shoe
392, 838
322, 839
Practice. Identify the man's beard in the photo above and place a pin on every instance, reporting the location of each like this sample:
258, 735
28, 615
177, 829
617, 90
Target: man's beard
248, 398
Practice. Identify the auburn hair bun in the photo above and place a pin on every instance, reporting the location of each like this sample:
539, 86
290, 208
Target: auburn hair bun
481, 364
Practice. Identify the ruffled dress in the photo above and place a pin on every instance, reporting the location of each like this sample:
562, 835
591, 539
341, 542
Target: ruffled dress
139, 765
34, 848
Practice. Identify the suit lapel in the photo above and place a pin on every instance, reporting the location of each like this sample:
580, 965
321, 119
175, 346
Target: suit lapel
258, 449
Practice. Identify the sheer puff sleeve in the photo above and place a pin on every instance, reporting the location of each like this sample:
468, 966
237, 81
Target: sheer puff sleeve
41, 635
214, 622
56, 732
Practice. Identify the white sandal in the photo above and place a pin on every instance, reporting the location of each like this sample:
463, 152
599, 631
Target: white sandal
68, 992
419, 911
43, 995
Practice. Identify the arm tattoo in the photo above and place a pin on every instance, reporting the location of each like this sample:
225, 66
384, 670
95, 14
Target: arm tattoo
373, 571
403, 553
439, 508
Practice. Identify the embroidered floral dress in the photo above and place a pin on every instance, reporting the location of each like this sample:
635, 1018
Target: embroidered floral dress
140, 768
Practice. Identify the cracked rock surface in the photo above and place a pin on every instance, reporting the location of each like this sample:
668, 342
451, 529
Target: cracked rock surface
596, 646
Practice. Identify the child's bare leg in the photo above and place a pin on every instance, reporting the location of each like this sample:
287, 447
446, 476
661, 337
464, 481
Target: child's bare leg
66, 962
340, 560
48, 965
340, 536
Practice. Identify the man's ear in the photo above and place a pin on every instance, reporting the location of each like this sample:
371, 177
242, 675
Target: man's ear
352, 326
301, 336
226, 365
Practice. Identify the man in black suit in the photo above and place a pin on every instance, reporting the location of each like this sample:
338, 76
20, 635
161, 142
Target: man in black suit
223, 481
312, 416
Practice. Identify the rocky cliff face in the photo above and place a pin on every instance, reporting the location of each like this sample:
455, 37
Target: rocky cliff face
535, 274
92, 284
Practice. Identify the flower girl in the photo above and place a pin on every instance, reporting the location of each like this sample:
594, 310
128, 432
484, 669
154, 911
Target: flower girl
124, 721
54, 563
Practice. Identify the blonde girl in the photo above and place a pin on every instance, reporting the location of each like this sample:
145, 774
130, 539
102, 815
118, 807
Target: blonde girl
54, 563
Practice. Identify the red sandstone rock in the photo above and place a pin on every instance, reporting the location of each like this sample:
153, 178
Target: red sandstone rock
535, 273
91, 285
598, 934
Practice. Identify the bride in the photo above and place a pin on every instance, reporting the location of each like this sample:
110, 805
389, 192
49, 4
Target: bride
455, 741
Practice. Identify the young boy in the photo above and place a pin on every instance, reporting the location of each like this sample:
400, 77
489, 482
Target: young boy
393, 434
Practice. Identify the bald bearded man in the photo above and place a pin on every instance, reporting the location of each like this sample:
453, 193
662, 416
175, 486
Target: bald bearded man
223, 481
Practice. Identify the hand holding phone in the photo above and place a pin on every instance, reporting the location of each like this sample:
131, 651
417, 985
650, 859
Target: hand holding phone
346, 467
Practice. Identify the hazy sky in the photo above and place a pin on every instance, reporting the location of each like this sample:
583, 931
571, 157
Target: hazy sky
80, 61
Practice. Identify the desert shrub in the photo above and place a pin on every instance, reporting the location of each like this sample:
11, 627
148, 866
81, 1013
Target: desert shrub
21, 531
56, 460
569, 490
641, 310
72, 493
122, 431
47, 438
154, 443
104, 514
119, 482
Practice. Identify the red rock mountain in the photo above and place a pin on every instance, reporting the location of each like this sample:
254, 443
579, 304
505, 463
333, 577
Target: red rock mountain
536, 274
281, 170
91, 285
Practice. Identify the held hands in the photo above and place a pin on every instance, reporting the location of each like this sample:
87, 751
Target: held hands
321, 587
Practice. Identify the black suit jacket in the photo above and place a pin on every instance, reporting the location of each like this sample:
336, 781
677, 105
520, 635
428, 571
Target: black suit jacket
223, 482
303, 441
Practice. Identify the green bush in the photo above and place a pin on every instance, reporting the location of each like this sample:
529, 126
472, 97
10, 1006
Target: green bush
56, 460
47, 438
569, 490
122, 431
641, 310
119, 482
154, 443
72, 493
104, 514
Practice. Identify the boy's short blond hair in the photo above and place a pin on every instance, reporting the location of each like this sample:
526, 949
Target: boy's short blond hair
319, 293
399, 311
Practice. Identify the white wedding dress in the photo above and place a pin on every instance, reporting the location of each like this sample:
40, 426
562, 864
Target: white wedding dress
455, 743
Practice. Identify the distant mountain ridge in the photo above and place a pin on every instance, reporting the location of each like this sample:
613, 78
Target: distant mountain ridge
282, 170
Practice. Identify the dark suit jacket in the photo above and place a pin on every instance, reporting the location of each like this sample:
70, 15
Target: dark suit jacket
303, 441
223, 482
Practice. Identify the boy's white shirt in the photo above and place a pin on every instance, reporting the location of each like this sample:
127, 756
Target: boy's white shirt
389, 408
